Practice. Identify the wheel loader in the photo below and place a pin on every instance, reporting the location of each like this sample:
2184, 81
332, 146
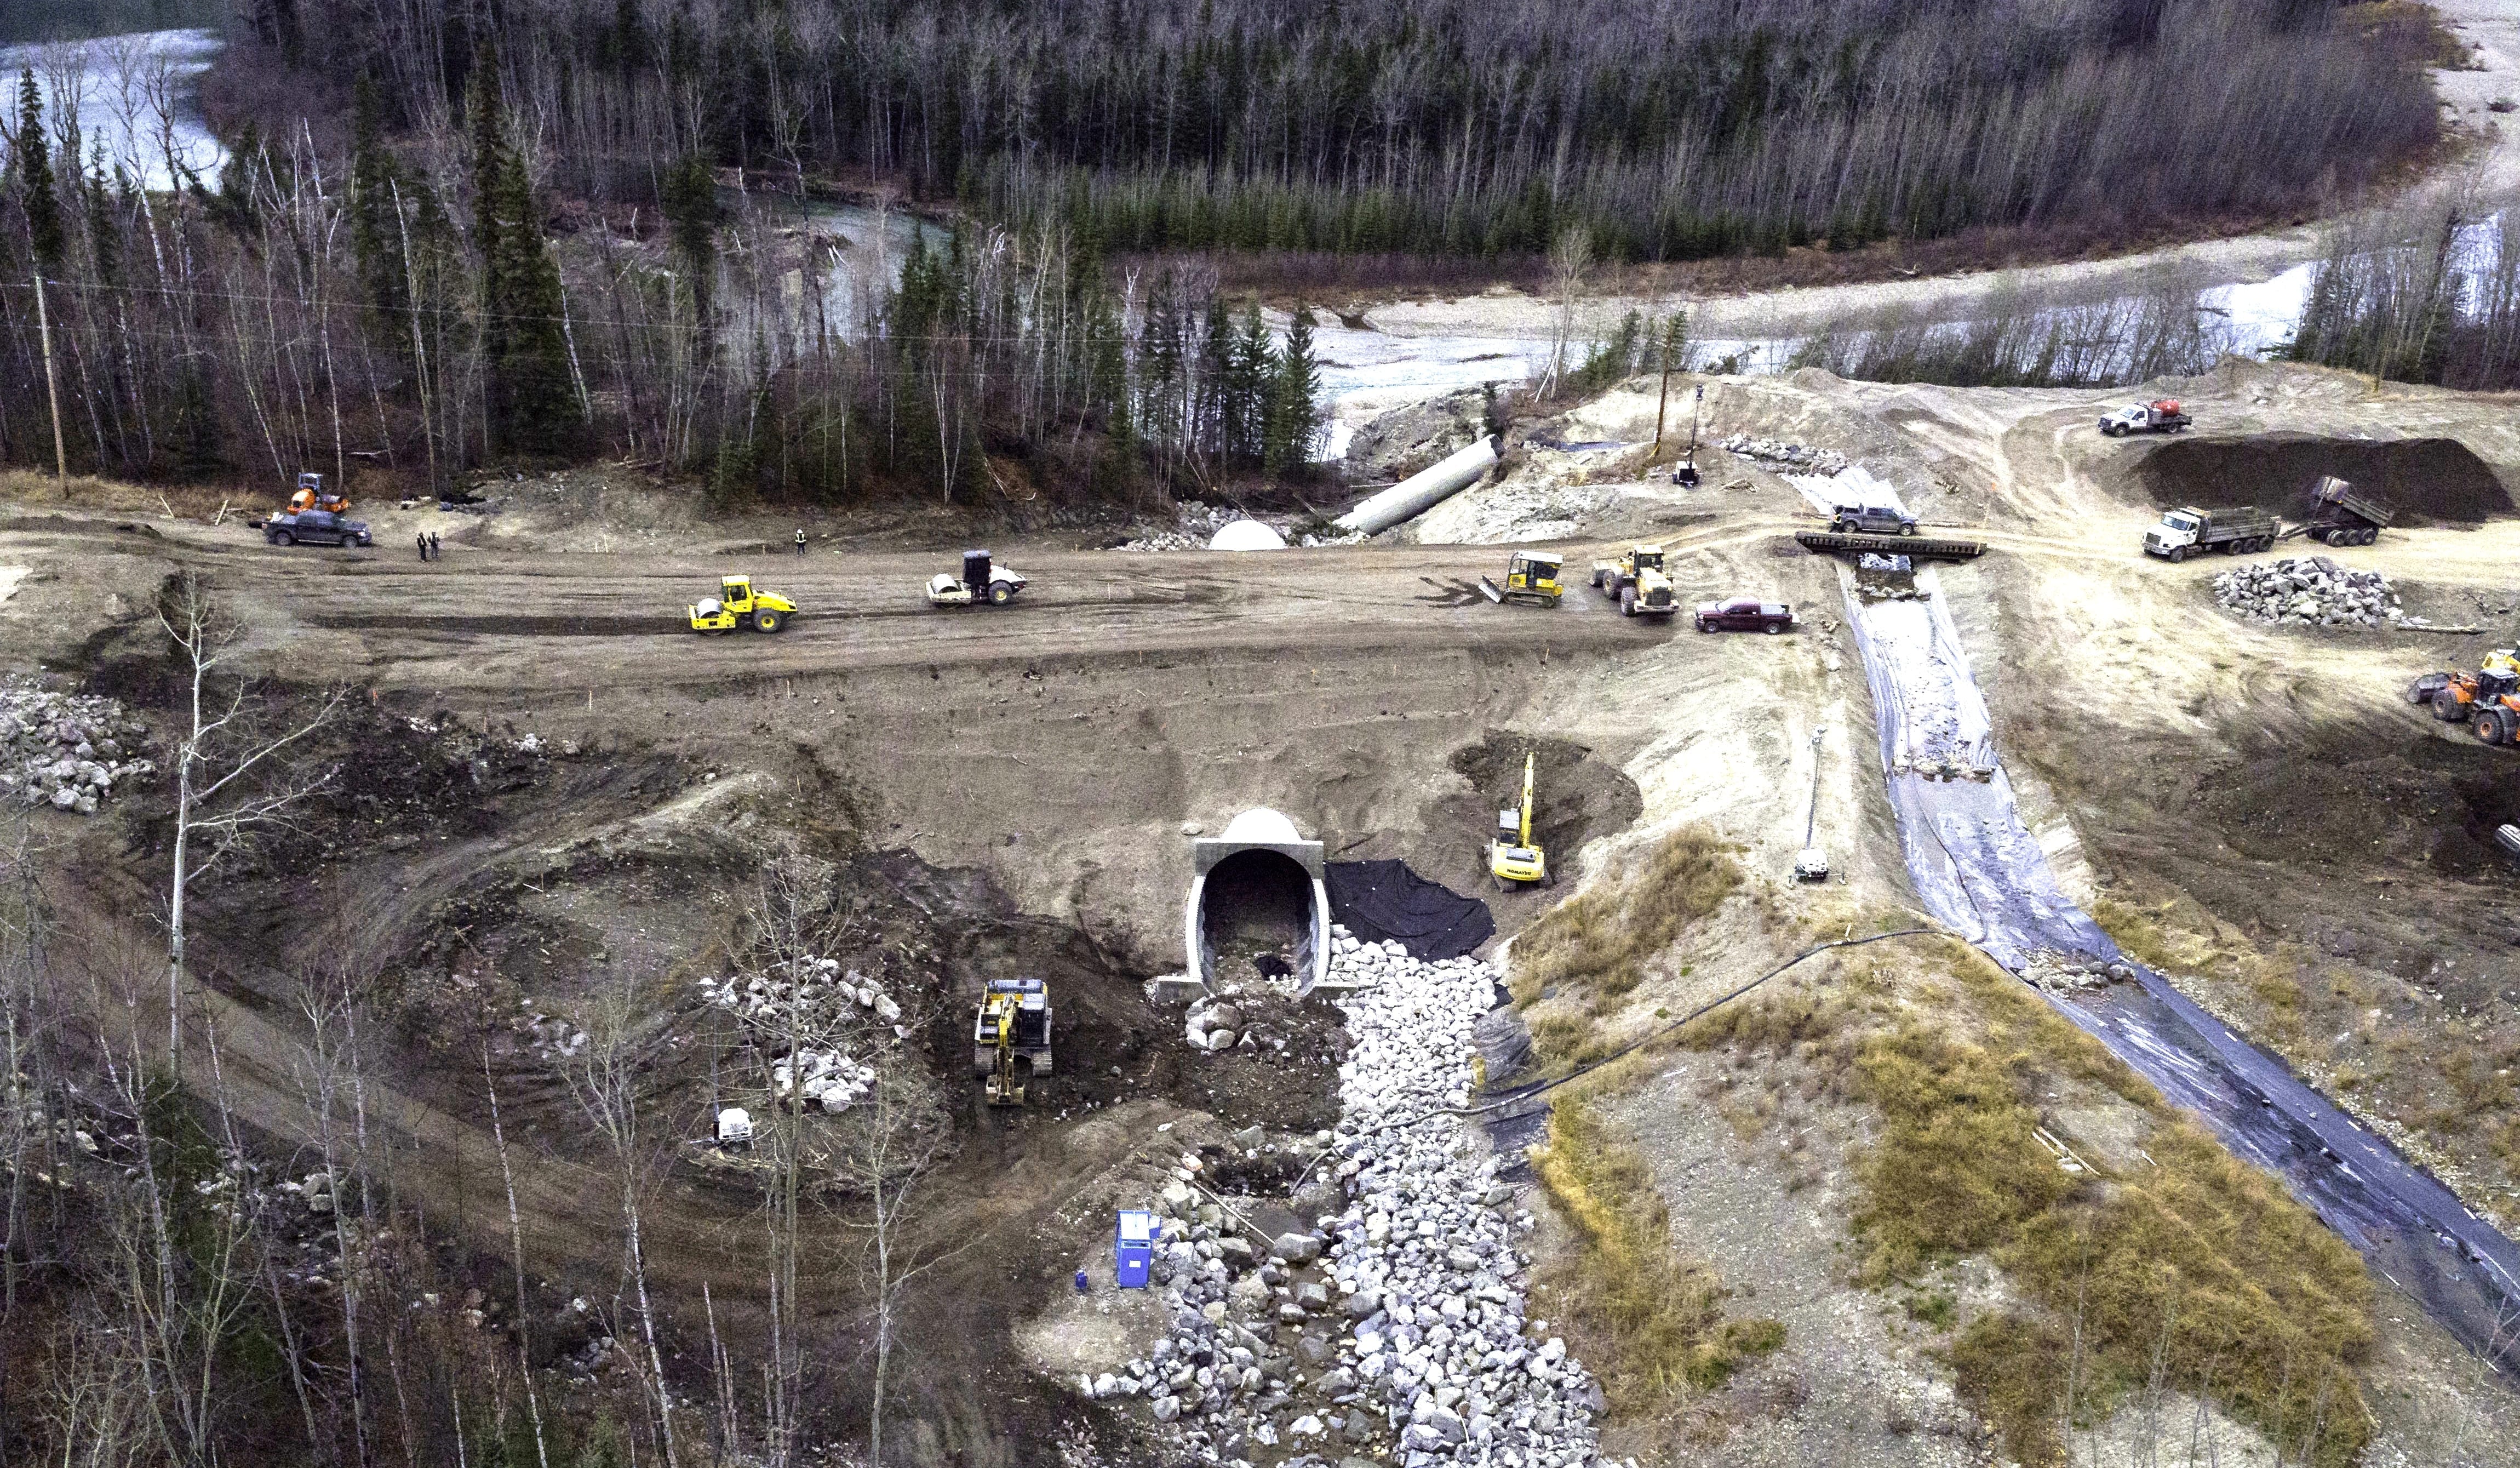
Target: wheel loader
1010, 1040
1530, 577
1635, 581
738, 605
2487, 701
1514, 857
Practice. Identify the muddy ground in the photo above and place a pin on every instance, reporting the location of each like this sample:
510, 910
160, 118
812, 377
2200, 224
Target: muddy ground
548, 793
550, 790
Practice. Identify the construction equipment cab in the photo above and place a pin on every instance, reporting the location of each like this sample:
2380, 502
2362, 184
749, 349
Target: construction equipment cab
2162, 415
981, 581
1635, 580
1513, 856
738, 605
1010, 1040
1531, 577
2487, 701
312, 496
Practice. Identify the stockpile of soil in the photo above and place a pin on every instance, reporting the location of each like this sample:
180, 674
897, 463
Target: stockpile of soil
2429, 480
1576, 795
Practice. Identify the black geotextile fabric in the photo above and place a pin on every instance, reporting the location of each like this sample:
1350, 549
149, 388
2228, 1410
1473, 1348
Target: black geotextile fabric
1383, 900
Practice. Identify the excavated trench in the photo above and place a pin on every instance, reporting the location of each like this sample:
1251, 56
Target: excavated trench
2429, 480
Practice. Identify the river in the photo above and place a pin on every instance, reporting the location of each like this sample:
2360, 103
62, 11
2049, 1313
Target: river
135, 99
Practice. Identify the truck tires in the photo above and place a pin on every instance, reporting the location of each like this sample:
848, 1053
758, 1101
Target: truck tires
2498, 725
2446, 705
2112, 429
1000, 593
2178, 553
1627, 601
767, 622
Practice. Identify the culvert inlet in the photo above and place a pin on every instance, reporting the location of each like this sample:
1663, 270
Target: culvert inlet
1256, 898
2429, 480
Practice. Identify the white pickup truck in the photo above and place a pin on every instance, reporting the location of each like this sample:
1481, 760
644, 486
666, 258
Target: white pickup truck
2160, 416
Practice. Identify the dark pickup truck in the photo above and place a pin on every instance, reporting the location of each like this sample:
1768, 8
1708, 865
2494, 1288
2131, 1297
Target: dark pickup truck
316, 527
1744, 614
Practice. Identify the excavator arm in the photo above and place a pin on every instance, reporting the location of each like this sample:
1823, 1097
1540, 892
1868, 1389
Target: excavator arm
1525, 837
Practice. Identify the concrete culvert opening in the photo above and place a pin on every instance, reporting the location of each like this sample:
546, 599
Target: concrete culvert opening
2428, 480
1257, 907
1259, 911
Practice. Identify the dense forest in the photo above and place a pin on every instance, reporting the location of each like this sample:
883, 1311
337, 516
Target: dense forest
1446, 126
304, 311
549, 230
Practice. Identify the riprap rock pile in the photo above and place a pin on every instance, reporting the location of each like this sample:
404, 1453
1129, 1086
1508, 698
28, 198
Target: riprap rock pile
833, 1017
1800, 457
65, 750
1424, 1253
1397, 1321
2308, 591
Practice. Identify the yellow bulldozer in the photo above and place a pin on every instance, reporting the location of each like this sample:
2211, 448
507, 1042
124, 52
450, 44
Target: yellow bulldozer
1514, 857
1530, 577
2487, 701
738, 605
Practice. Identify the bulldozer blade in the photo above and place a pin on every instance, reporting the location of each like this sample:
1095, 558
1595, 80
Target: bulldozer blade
1488, 589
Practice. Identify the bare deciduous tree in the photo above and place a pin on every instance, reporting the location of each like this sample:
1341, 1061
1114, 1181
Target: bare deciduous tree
231, 774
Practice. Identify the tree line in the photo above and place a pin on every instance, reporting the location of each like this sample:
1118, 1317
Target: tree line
411, 306
1451, 126
2429, 293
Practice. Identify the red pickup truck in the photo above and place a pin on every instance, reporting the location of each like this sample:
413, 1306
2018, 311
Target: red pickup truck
1744, 614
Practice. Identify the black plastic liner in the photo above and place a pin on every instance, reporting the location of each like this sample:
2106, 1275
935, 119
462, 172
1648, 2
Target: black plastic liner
1383, 901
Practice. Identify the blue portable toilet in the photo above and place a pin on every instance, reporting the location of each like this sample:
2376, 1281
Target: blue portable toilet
1137, 1247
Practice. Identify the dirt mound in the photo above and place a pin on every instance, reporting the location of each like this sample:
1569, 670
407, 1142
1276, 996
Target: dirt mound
2430, 481
1579, 797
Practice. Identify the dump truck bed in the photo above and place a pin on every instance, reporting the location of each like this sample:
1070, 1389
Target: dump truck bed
2334, 494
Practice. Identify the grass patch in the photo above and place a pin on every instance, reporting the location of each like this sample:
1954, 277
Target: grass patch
1661, 1316
1601, 940
2197, 1270
1957, 1171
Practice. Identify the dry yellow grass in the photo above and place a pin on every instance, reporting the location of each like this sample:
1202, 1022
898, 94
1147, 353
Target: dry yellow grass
2197, 1266
1600, 941
1661, 1316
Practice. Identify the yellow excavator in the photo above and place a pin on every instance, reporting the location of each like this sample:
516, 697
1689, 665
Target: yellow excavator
1514, 857
1011, 1043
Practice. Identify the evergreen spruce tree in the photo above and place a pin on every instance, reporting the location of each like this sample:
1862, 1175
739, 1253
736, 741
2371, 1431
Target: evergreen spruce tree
1294, 406
691, 217
1251, 373
376, 233
42, 207
233, 204
198, 452
532, 406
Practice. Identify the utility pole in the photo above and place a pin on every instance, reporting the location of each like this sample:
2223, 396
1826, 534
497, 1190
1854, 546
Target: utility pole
1661, 400
1811, 822
52, 384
